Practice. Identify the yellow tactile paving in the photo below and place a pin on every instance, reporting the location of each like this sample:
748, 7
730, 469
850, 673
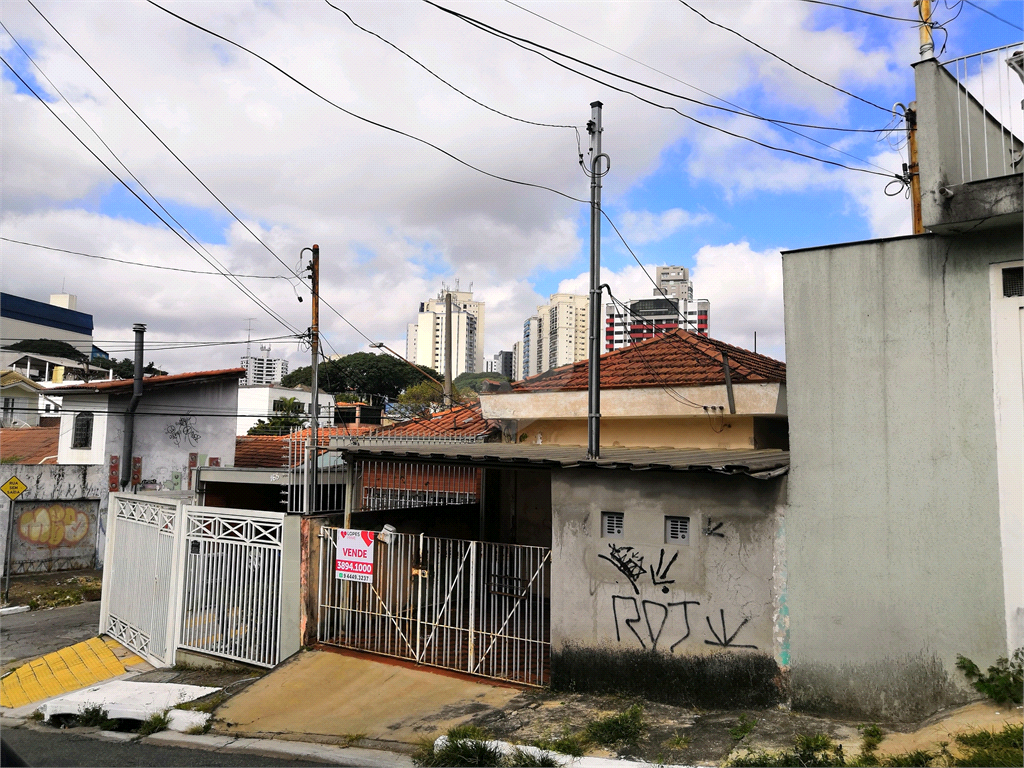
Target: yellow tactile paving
68, 669
123, 655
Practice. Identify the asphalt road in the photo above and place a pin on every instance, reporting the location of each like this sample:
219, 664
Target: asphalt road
26, 635
64, 748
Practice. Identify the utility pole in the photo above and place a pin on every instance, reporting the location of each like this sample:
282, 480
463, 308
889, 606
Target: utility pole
314, 346
927, 46
913, 169
594, 128
447, 348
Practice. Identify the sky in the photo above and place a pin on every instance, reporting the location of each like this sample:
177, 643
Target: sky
375, 143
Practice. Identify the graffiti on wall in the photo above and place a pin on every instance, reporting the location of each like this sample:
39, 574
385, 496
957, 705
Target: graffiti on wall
53, 525
657, 623
183, 431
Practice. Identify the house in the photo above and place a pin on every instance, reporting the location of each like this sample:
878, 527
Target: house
669, 391
903, 531
263, 402
20, 399
182, 422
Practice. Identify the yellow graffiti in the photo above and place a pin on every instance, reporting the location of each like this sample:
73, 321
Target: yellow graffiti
54, 526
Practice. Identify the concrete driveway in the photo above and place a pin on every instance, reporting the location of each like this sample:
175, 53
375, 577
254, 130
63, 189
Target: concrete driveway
27, 635
333, 697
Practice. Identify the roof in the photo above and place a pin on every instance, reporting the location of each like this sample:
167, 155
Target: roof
675, 359
762, 464
29, 445
125, 386
462, 420
261, 451
339, 430
41, 313
13, 378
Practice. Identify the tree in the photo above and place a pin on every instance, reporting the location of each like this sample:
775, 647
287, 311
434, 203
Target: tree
364, 373
285, 419
125, 367
49, 347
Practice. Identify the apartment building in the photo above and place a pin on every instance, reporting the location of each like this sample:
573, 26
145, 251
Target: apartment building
424, 343
642, 319
556, 335
263, 370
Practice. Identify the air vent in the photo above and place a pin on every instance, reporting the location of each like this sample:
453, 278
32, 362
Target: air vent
677, 530
611, 525
1013, 281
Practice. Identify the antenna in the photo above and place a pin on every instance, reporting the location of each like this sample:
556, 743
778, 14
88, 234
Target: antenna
248, 336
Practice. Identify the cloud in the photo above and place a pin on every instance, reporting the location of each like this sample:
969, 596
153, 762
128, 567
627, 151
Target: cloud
645, 227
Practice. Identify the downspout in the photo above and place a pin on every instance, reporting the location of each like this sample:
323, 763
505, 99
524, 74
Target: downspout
129, 415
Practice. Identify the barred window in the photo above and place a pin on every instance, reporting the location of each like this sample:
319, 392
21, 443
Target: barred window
81, 437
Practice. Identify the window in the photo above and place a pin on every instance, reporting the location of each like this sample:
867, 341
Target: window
81, 437
1013, 281
677, 530
611, 525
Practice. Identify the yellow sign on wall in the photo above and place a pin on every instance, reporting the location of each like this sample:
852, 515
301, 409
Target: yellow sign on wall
13, 488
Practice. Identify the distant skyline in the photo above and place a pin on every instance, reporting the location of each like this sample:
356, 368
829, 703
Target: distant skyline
395, 218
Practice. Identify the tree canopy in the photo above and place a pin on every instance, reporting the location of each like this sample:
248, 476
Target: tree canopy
369, 375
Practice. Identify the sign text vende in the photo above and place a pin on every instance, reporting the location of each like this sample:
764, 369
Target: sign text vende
354, 561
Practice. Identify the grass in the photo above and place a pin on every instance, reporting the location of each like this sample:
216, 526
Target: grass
95, 716
677, 742
206, 704
995, 748
809, 751
199, 730
156, 722
567, 744
623, 728
37, 716
466, 746
54, 590
743, 727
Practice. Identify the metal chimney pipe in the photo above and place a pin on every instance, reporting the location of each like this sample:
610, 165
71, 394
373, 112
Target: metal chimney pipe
129, 415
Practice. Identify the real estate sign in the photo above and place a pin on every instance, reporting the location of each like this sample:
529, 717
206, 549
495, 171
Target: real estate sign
354, 558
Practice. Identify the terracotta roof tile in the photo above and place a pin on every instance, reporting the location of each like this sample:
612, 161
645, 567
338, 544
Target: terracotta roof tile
261, 451
29, 445
675, 359
466, 420
117, 386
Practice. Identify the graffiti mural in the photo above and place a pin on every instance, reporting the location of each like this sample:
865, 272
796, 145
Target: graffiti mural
54, 525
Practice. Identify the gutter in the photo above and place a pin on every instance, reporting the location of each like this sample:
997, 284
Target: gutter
129, 416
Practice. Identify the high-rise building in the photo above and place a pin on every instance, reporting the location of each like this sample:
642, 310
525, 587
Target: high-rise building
424, 342
500, 363
264, 370
517, 361
642, 319
556, 335
673, 283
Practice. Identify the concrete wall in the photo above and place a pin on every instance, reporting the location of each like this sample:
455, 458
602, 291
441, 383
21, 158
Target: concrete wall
59, 521
716, 432
894, 524
714, 594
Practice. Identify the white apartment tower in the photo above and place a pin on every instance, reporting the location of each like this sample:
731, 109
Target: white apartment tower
424, 342
264, 370
555, 336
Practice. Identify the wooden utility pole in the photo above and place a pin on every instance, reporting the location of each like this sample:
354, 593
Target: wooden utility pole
913, 169
927, 46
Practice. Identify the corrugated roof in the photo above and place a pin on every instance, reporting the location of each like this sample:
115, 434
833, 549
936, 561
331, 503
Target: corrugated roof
29, 445
120, 386
675, 359
763, 463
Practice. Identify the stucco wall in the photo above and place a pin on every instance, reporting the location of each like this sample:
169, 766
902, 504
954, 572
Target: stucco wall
893, 532
714, 594
72, 540
711, 432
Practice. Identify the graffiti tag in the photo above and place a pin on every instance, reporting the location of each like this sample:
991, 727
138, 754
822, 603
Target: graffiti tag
184, 430
628, 562
54, 526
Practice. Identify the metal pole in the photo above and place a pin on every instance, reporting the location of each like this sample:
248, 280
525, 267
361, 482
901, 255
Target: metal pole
594, 365
728, 381
314, 345
10, 545
447, 349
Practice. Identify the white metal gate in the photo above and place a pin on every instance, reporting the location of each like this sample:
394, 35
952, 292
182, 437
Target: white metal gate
139, 576
471, 606
219, 581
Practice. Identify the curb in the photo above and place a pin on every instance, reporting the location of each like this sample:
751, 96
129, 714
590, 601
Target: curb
14, 609
327, 753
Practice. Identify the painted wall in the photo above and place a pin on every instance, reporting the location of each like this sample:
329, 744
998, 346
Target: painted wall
716, 593
893, 528
59, 521
71, 406
710, 432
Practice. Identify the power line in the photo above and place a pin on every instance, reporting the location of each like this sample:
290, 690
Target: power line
453, 87
780, 58
999, 18
139, 263
524, 44
228, 275
739, 110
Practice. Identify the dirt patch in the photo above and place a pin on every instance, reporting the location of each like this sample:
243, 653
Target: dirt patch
56, 590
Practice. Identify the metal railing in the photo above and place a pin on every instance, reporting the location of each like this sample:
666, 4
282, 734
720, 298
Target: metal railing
398, 485
471, 606
989, 115
424, 438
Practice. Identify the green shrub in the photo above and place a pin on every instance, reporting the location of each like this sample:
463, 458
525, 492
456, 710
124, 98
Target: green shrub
743, 727
156, 722
95, 716
523, 759
809, 751
622, 728
566, 744
1004, 681
999, 748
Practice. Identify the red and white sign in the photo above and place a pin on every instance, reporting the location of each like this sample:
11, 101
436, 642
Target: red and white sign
354, 561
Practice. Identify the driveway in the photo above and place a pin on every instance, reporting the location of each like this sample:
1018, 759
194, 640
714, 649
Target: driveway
27, 635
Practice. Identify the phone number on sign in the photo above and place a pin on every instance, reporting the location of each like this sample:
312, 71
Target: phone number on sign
351, 566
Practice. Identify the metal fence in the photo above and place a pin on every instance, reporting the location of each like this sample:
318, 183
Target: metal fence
990, 119
400, 485
231, 596
471, 606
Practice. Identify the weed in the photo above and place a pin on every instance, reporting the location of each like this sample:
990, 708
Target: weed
743, 727
467, 731
997, 748
873, 736
199, 730
677, 742
808, 750
206, 704
622, 728
522, 759
919, 758
1004, 681
94, 716
566, 744
37, 716
156, 722
352, 738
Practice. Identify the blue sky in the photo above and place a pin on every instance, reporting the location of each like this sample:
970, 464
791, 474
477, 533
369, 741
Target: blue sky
395, 219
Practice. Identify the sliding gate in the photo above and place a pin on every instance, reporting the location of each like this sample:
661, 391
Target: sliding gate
471, 606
